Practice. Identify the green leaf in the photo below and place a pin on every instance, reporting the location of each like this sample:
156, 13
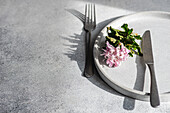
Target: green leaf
122, 33
125, 27
126, 37
138, 37
139, 51
130, 31
120, 47
113, 40
130, 54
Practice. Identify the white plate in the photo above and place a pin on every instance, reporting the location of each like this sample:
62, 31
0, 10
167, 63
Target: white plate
132, 78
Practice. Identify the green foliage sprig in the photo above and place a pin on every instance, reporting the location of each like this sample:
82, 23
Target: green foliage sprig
126, 37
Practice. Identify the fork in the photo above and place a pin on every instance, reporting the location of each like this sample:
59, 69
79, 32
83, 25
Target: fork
90, 25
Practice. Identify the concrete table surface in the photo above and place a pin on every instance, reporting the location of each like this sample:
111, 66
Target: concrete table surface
42, 57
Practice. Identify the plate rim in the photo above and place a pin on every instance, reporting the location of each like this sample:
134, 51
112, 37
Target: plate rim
140, 95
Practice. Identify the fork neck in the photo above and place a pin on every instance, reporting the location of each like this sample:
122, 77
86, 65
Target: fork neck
90, 31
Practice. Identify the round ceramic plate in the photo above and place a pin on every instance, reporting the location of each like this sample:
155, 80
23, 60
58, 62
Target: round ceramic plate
132, 78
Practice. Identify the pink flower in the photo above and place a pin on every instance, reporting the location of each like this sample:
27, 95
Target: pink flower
114, 56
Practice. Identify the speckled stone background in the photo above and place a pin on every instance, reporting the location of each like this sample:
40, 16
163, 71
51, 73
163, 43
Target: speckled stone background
42, 56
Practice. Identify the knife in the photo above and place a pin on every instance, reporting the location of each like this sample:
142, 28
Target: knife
149, 60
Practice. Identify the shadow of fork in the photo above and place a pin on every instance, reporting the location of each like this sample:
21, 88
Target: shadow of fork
78, 14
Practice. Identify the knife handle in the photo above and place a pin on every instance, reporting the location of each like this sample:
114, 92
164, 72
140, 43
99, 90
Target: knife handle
154, 95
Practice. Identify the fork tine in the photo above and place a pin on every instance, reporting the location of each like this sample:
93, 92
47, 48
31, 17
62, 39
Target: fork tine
94, 15
86, 13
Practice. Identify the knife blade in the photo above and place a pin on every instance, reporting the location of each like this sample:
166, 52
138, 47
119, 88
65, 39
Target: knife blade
149, 60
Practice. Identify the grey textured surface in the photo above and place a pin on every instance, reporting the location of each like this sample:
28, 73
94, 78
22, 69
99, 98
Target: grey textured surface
42, 58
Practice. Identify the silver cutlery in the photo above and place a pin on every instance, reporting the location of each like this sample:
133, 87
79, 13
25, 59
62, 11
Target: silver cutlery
149, 60
89, 26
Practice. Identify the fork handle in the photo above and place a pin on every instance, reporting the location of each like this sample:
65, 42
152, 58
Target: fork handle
89, 70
